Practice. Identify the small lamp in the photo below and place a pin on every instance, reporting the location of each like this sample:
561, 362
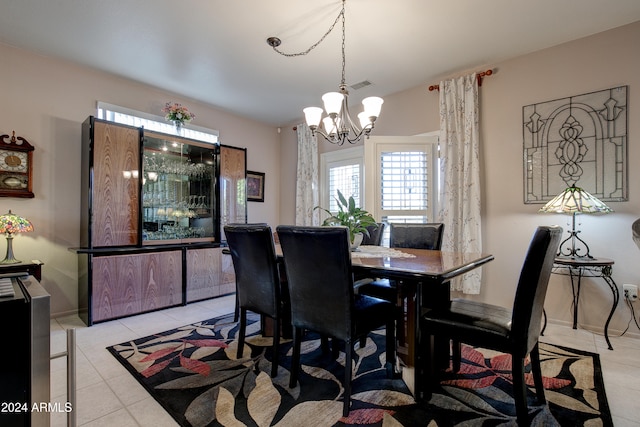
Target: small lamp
11, 223
575, 200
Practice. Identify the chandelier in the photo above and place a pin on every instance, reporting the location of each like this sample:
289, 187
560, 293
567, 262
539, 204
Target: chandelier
337, 126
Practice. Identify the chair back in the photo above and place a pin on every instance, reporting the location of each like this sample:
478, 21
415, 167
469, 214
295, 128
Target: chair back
375, 234
317, 262
532, 287
255, 264
416, 236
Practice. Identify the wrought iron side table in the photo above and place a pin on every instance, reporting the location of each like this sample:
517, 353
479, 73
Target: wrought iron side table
577, 268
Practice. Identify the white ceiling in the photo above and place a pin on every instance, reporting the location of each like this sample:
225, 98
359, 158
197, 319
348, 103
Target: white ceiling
215, 51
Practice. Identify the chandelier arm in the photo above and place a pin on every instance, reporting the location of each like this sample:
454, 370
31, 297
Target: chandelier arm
274, 42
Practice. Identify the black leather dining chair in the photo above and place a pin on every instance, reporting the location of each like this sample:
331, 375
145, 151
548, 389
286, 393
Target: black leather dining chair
514, 331
414, 236
375, 234
258, 286
317, 262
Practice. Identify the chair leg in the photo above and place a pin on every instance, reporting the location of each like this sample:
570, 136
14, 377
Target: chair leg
456, 355
242, 331
236, 312
520, 391
276, 346
536, 370
348, 348
324, 344
390, 347
335, 348
295, 358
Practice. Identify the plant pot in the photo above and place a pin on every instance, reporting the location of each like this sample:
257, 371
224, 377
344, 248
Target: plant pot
357, 240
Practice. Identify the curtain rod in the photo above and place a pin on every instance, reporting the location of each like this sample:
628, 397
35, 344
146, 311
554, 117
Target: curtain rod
479, 75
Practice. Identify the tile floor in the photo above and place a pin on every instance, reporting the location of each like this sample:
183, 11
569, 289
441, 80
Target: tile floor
109, 396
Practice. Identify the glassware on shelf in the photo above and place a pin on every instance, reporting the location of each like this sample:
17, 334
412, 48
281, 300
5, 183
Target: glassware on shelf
178, 188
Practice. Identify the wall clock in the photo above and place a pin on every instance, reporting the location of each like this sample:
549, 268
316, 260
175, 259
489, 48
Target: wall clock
16, 164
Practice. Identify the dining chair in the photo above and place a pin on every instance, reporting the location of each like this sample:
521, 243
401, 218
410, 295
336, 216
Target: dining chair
414, 236
375, 234
514, 331
317, 262
258, 286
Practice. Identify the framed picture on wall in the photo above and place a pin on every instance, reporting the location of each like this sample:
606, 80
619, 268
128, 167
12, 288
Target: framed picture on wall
255, 186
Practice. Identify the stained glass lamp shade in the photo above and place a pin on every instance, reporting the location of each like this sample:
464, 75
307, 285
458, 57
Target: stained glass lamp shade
574, 200
10, 224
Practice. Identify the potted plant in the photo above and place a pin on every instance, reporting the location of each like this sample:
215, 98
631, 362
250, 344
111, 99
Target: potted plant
355, 219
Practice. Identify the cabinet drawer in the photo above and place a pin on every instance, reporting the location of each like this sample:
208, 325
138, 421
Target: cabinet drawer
129, 284
208, 274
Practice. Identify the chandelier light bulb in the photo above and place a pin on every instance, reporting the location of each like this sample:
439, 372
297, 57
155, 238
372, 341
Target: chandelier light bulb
331, 127
364, 119
312, 116
372, 106
332, 102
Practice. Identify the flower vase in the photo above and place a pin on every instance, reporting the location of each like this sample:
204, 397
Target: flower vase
178, 125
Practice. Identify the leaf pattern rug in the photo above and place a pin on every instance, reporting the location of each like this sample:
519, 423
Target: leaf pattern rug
193, 372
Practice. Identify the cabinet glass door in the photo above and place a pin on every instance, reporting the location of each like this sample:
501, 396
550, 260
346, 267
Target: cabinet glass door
178, 191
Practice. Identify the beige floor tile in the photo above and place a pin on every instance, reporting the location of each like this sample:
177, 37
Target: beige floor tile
624, 402
106, 365
623, 422
96, 401
127, 388
121, 418
149, 413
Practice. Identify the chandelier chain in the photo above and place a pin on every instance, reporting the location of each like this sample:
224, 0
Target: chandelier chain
338, 124
343, 44
313, 46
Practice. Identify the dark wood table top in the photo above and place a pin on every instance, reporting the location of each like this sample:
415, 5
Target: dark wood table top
434, 266
426, 264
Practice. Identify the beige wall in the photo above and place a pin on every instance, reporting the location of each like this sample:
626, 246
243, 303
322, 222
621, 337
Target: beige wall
45, 101
598, 62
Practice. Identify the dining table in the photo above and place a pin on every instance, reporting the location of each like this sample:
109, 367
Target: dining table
423, 280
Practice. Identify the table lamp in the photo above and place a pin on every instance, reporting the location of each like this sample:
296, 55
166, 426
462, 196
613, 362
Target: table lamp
10, 224
574, 200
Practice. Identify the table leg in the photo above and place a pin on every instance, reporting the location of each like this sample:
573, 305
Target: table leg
616, 298
576, 294
439, 295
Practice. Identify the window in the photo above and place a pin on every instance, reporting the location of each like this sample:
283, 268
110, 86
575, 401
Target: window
403, 172
394, 178
126, 116
341, 170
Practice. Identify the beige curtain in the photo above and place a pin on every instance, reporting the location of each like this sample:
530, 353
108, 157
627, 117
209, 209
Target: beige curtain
307, 191
460, 171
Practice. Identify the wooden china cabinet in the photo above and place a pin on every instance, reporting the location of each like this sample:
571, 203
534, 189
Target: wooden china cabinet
153, 207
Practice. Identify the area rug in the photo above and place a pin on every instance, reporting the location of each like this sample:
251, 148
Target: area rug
193, 372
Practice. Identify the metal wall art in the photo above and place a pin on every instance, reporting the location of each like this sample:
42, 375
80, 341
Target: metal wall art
579, 140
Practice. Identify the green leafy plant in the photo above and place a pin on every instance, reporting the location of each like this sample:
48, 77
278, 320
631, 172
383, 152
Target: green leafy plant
354, 218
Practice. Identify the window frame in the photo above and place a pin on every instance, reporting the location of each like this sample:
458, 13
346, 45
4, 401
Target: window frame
337, 158
374, 146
